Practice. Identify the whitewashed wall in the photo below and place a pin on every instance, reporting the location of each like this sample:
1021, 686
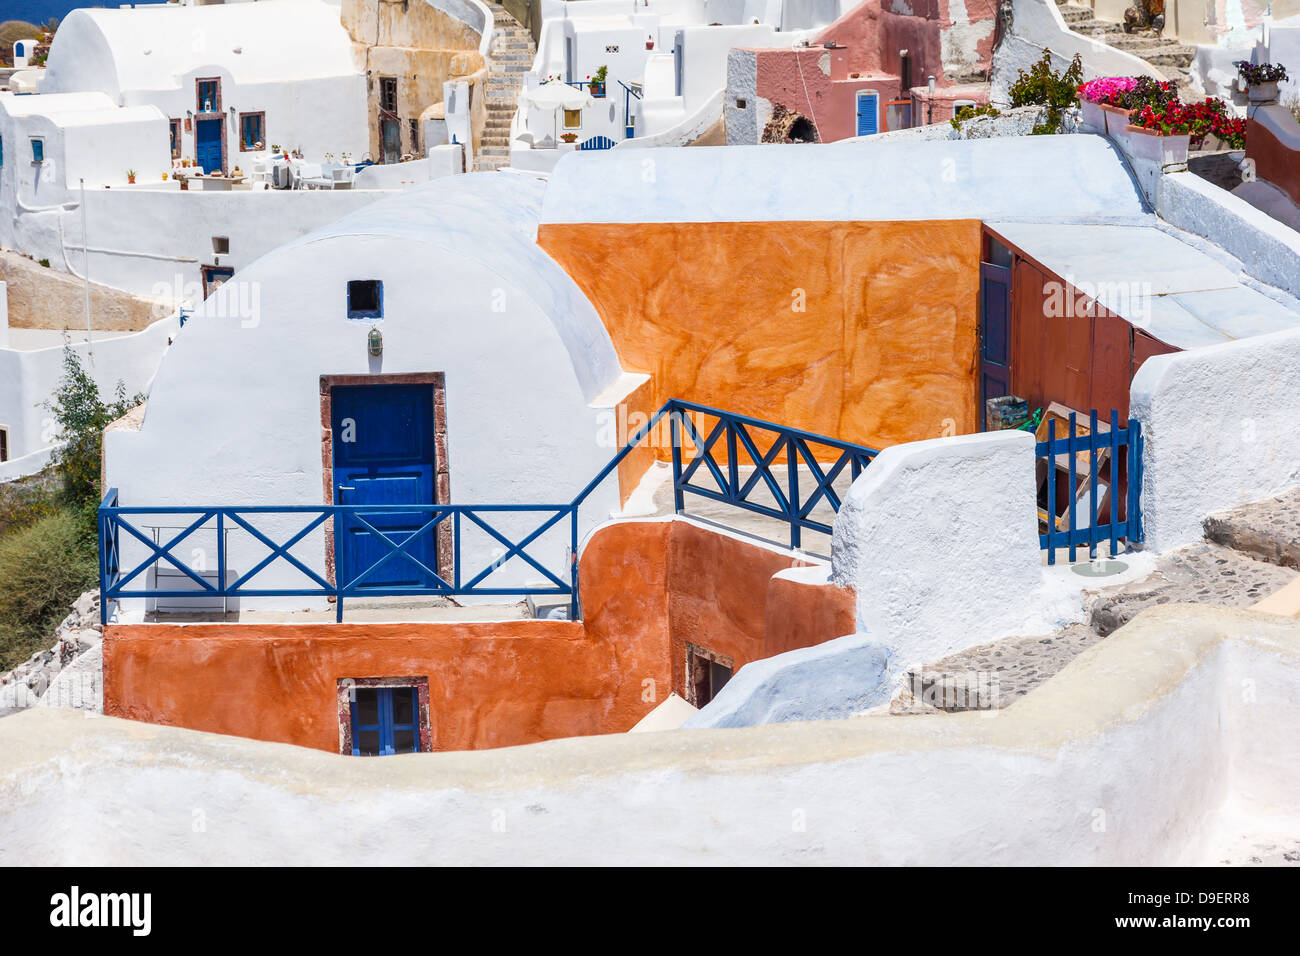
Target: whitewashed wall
234, 415
1218, 425
147, 240
940, 539
29, 378
291, 59
1142, 751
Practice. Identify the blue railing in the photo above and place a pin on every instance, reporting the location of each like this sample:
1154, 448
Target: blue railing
1098, 475
707, 430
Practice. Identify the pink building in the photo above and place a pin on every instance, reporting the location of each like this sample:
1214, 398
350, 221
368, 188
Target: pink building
868, 71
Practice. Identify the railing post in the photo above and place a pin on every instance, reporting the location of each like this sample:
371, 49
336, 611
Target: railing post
338, 570
675, 428
1134, 481
221, 561
1051, 490
1092, 485
103, 567
573, 563
792, 488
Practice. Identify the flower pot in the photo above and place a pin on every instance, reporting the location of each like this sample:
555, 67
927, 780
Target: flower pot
1150, 144
1263, 92
1094, 117
1117, 120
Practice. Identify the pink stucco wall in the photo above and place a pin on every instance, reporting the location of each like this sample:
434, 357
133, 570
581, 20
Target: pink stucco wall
823, 84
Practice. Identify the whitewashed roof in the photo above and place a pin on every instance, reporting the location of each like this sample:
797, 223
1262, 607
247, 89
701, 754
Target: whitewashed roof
1030, 177
1155, 281
153, 47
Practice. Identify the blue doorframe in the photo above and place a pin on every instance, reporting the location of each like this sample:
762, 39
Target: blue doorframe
384, 454
995, 335
868, 107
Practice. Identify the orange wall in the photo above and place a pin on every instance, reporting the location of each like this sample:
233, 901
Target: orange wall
884, 352
647, 587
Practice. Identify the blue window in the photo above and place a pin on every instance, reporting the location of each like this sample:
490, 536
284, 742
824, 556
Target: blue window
250, 130
365, 299
385, 721
2, 152
38, 150
209, 96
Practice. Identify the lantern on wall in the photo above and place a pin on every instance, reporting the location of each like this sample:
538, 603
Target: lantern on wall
375, 342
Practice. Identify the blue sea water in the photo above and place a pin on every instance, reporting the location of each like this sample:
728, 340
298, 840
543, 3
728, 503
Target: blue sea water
38, 11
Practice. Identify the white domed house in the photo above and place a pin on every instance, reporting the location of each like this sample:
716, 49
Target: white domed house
422, 350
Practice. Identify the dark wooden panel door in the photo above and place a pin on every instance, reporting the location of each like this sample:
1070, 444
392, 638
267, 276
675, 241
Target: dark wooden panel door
995, 335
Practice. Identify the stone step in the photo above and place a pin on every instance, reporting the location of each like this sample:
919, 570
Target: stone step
1267, 530
1206, 573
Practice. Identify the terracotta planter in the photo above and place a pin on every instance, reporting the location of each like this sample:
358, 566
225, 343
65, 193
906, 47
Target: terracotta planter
1116, 119
1094, 116
1150, 144
1263, 92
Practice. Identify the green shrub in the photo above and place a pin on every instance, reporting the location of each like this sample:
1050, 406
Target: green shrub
44, 567
970, 112
1043, 86
82, 416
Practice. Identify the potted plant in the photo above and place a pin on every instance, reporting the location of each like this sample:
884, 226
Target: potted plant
596, 83
1097, 97
569, 137
1261, 79
130, 177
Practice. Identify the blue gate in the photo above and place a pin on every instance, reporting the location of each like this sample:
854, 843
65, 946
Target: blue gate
1091, 485
597, 142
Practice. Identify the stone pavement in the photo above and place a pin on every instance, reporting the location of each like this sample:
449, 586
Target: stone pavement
1252, 552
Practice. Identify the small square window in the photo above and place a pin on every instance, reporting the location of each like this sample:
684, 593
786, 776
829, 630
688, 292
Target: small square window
382, 716
572, 119
365, 299
38, 150
221, 245
4, 443
740, 104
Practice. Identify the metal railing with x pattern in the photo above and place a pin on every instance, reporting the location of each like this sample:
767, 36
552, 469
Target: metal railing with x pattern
704, 441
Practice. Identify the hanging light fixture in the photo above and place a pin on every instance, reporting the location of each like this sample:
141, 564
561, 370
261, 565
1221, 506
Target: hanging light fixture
375, 342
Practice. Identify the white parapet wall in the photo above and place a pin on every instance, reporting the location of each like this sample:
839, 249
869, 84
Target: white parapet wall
1218, 426
29, 378
1269, 250
1143, 750
940, 540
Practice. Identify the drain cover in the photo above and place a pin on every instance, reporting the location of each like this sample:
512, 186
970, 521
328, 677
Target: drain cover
1101, 568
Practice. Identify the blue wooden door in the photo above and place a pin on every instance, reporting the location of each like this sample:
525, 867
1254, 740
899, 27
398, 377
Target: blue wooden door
207, 144
384, 455
868, 114
995, 334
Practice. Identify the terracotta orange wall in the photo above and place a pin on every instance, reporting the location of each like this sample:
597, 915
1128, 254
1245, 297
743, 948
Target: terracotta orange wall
885, 350
1275, 162
647, 588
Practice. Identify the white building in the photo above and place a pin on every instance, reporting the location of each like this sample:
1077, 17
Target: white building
665, 62
226, 77
491, 357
